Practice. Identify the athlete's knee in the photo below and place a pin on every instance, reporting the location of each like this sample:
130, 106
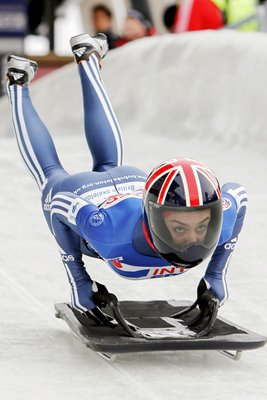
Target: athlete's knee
104, 167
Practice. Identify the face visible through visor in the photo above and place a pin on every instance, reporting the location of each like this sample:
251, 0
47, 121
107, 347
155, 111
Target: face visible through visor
177, 229
187, 228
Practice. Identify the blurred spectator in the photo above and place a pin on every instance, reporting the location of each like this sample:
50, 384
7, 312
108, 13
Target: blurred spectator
237, 10
195, 15
102, 22
169, 17
136, 26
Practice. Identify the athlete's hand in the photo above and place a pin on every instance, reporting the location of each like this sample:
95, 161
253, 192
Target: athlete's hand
91, 294
101, 295
208, 305
101, 298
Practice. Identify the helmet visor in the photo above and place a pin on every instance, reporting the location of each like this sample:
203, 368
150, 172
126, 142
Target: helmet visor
182, 228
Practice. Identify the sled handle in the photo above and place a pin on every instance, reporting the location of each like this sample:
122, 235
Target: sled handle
114, 305
202, 323
185, 310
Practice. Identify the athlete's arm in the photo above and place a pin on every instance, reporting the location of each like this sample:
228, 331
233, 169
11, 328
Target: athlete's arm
234, 209
67, 235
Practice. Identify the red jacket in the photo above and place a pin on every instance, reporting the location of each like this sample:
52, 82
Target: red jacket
195, 15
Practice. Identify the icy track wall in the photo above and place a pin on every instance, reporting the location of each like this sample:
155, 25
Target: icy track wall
202, 85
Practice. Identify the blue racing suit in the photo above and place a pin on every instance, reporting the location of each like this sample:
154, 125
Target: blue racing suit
99, 213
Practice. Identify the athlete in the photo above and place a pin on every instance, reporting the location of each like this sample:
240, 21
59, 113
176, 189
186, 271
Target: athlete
142, 226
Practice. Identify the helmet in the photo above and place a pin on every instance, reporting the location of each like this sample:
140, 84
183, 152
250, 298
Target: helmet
183, 211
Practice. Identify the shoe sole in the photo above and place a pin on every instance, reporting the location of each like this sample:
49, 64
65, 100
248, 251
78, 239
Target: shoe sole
21, 63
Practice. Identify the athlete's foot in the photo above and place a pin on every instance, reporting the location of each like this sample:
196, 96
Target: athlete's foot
20, 71
83, 45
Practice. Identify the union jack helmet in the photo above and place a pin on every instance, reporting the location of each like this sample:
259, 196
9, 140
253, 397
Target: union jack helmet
183, 211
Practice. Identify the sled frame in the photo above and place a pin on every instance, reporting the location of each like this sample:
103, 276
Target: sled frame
108, 348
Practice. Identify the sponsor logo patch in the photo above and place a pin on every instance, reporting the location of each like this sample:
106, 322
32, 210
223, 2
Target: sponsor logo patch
96, 219
67, 257
230, 245
226, 203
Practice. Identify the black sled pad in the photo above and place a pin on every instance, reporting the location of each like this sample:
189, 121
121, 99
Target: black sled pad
160, 332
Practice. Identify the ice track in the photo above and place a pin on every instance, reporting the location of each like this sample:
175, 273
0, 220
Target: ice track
200, 95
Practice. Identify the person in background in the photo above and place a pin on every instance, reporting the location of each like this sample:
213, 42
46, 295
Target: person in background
135, 26
169, 17
102, 22
196, 15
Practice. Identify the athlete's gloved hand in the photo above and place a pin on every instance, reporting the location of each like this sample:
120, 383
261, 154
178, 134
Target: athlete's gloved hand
208, 305
101, 295
101, 298
91, 296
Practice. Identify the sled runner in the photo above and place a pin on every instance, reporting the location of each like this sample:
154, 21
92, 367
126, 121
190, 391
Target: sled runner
156, 326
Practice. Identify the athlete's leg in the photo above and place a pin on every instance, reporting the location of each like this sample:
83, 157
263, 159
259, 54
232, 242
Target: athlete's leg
34, 141
101, 126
